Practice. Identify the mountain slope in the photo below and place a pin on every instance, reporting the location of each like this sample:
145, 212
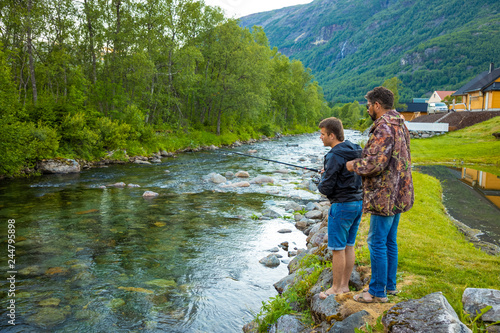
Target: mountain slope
353, 45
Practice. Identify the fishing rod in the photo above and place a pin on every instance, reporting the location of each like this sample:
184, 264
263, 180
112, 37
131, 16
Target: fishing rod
265, 159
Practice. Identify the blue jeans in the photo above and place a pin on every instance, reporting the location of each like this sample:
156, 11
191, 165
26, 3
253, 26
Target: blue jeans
383, 253
343, 224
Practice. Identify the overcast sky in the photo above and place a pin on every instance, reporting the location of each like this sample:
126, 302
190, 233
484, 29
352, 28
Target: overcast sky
239, 8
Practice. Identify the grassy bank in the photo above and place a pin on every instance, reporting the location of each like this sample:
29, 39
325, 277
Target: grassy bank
433, 256
471, 145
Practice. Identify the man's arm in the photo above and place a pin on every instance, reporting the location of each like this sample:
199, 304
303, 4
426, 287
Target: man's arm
377, 153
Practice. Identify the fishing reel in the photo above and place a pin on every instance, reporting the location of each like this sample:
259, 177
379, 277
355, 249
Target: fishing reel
316, 179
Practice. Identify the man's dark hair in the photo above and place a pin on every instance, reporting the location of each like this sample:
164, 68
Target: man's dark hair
333, 125
382, 95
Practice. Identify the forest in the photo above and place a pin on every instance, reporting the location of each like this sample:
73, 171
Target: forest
94, 78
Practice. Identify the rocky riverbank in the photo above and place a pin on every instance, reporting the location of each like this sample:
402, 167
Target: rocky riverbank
340, 313
64, 166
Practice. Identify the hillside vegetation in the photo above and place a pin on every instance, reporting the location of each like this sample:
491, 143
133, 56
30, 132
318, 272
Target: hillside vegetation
81, 79
354, 45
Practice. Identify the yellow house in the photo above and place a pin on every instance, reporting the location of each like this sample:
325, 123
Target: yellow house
481, 93
487, 183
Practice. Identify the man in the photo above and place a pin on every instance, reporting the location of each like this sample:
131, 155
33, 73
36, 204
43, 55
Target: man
344, 190
388, 190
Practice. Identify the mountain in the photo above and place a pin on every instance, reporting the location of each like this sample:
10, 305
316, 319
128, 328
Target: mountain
354, 45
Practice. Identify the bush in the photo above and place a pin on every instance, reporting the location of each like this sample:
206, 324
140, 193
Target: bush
77, 139
112, 134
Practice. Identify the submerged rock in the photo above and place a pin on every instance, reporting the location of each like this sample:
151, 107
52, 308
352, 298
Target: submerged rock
50, 302
48, 317
238, 184
162, 283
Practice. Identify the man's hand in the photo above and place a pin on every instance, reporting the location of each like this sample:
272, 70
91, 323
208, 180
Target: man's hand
350, 166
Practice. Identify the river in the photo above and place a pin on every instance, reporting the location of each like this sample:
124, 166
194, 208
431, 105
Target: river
89, 259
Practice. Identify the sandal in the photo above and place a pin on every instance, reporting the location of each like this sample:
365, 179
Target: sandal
389, 292
361, 298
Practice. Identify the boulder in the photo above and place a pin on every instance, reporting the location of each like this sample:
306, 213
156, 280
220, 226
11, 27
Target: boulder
348, 325
270, 261
475, 300
288, 323
314, 215
431, 313
261, 179
150, 194
60, 165
294, 264
242, 174
321, 309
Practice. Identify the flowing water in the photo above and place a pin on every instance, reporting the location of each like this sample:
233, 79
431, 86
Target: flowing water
91, 259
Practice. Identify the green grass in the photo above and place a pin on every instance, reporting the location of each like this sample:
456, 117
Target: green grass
471, 145
433, 255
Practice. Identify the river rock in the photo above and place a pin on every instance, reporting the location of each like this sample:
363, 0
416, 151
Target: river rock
270, 261
324, 281
252, 151
215, 178
323, 308
298, 217
283, 171
289, 324
60, 165
294, 264
229, 174
238, 184
431, 313
269, 212
48, 317
348, 325
314, 215
142, 162
284, 231
120, 184
251, 327
155, 159
262, 179
50, 302
242, 174
150, 194
292, 205
133, 185
313, 206
475, 299
274, 250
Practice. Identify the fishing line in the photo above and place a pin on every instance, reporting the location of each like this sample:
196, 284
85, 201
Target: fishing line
266, 159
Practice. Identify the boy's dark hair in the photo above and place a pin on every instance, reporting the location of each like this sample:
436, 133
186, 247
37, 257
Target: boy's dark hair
382, 95
333, 125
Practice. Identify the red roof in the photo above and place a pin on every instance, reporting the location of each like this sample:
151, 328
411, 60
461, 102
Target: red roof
443, 94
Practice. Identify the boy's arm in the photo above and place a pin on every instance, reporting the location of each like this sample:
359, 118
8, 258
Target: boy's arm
329, 177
